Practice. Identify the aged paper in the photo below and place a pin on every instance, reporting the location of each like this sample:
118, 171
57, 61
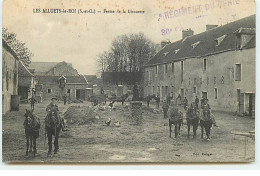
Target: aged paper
109, 81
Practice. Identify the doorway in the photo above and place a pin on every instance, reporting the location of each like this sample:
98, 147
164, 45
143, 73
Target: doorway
77, 94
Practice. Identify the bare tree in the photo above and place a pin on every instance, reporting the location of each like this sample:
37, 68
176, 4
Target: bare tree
22, 52
128, 53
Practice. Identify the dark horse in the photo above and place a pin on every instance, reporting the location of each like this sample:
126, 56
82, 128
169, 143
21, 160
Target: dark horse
32, 126
53, 124
176, 118
206, 122
192, 119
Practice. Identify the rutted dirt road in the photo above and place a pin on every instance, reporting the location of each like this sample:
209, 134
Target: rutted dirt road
148, 142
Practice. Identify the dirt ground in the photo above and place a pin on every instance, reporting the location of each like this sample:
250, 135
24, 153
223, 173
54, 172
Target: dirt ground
148, 142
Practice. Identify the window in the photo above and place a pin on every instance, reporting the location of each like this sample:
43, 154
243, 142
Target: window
68, 91
205, 64
156, 69
238, 72
165, 54
173, 67
176, 51
194, 89
182, 67
195, 44
166, 68
220, 39
216, 93
49, 90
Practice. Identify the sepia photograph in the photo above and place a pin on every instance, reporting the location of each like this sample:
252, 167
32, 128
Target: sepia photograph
128, 82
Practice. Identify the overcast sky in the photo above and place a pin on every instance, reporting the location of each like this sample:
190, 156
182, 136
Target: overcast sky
79, 38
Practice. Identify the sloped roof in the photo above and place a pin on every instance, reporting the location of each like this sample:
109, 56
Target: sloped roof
91, 78
42, 66
207, 43
80, 79
23, 70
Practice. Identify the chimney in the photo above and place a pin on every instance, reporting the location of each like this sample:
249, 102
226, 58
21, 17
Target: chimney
165, 42
186, 33
210, 26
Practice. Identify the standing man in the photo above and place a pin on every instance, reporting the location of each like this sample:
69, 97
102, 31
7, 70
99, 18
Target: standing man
69, 98
202, 101
165, 108
157, 102
65, 99
185, 103
197, 102
32, 101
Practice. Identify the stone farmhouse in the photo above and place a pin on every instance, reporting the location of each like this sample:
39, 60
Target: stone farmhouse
9, 77
218, 64
58, 79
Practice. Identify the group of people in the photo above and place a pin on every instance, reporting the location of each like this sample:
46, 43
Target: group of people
204, 106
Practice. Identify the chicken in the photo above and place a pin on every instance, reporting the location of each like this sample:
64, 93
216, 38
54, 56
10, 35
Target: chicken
108, 122
117, 124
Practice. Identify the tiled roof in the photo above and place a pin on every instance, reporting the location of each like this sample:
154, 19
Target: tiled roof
42, 66
54, 79
91, 78
207, 42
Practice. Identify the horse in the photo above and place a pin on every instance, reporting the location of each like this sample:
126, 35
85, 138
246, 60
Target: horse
206, 122
176, 118
192, 115
32, 126
53, 125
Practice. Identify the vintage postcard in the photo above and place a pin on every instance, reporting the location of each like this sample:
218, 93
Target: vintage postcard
118, 81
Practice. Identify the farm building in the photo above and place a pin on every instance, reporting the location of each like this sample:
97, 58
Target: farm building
9, 77
218, 64
26, 82
58, 86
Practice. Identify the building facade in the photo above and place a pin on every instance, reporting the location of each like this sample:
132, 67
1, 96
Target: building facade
218, 64
58, 86
26, 83
9, 76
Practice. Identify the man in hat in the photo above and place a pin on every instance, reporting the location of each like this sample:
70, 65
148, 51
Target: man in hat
197, 102
165, 108
185, 103
54, 106
32, 101
206, 110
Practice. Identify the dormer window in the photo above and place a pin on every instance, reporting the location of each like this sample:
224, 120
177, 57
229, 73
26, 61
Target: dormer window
220, 39
165, 54
244, 36
176, 51
194, 45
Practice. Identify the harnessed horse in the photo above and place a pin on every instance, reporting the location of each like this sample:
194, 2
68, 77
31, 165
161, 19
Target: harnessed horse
176, 118
53, 125
192, 119
32, 126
